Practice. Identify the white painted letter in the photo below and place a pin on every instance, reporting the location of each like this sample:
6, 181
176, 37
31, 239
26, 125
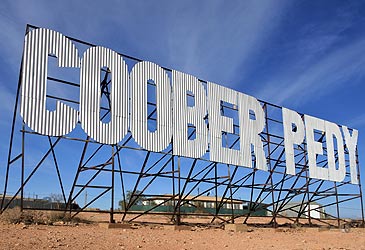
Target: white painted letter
184, 115
161, 137
351, 144
90, 94
314, 148
39, 43
291, 137
219, 123
250, 130
333, 131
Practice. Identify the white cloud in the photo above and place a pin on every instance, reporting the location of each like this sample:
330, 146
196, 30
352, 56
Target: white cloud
357, 121
318, 79
315, 60
219, 38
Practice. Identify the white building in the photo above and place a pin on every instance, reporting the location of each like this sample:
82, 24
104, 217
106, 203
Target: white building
194, 201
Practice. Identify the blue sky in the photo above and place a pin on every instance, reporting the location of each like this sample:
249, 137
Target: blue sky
304, 55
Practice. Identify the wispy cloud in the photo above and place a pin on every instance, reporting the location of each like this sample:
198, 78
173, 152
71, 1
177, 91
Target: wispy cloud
318, 79
10, 44
213, 40
357, 121
316, 62
217, 41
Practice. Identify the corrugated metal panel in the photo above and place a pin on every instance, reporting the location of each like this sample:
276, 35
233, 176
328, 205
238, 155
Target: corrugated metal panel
333, 131
351, 142
250, 131
291, 137
39, 43
90, 95
161, 138
314, 148
219, 123
183, 115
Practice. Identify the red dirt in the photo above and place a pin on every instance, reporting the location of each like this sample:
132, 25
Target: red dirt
92, 236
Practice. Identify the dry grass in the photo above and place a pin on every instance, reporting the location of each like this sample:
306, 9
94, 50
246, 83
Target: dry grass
16, 216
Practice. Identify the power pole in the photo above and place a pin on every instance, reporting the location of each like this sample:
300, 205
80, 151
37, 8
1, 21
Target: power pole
85, 201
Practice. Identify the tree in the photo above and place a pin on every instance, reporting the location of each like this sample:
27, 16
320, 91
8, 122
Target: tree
56, 199
137, 199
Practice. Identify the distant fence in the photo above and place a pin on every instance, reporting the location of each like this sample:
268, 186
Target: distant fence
190, 210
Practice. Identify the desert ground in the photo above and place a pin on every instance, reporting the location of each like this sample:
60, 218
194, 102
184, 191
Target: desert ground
95, 235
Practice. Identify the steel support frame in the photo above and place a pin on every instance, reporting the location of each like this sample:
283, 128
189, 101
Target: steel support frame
273, 191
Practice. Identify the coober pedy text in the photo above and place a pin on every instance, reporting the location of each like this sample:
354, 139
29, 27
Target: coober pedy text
129, 111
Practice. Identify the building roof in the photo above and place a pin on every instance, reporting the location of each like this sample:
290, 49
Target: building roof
195, 198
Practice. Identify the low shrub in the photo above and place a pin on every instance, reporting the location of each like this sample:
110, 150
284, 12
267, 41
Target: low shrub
16, 216
12, 215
